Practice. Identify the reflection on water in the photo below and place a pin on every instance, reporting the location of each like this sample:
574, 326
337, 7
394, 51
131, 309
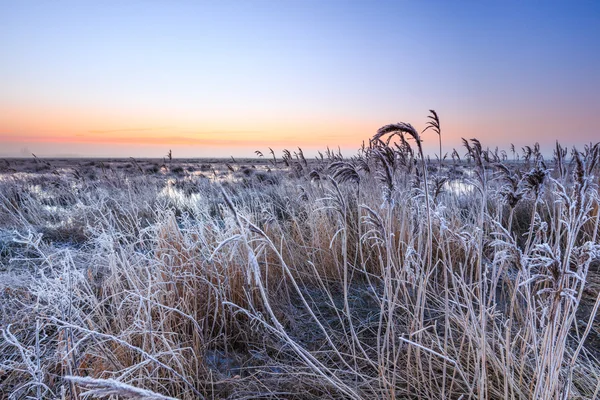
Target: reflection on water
459, 187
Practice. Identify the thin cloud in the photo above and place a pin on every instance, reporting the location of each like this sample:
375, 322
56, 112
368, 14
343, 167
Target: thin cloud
185, 132
130, 130
226, 131
162, 141
221, 132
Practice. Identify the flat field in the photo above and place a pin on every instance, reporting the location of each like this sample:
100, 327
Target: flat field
382, 275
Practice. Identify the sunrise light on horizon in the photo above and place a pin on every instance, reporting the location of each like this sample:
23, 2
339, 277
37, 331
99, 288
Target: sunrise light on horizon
208, 79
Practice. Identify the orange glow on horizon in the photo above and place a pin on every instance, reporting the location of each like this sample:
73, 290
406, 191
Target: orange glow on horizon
64, 128
272, 135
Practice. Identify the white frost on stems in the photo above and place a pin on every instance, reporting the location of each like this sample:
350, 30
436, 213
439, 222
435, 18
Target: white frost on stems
100, 388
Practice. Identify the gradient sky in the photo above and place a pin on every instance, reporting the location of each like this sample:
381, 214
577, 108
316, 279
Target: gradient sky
220, 78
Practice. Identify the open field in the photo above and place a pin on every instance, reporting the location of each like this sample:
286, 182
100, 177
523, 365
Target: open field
383, 275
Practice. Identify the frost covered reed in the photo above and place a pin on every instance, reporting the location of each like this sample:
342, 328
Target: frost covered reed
362, 277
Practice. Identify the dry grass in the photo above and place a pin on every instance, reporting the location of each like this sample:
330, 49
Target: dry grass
369, 277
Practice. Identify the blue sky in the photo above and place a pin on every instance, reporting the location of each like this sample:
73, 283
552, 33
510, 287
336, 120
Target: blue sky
229, 77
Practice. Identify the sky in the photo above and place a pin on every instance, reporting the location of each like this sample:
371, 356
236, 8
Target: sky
226, 78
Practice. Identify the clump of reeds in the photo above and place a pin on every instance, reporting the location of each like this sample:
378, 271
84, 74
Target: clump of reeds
363, 277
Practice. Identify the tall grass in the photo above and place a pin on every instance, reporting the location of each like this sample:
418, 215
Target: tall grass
364, 277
